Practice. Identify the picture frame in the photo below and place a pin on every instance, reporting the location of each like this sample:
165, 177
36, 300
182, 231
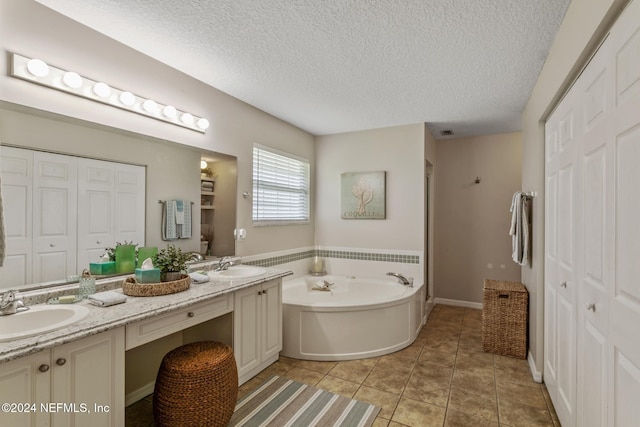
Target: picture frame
363, 195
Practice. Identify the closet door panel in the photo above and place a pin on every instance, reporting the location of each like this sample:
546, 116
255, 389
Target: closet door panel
96, 206
17, 186
130, 203
625, 294
594, 275
55, 216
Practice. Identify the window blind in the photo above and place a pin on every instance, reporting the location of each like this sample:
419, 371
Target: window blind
280, 187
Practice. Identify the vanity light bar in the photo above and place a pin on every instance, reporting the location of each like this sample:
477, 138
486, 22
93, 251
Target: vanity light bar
37, 71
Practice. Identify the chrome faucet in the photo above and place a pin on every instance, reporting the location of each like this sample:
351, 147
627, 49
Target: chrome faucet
10, 304
404, 280
224, 264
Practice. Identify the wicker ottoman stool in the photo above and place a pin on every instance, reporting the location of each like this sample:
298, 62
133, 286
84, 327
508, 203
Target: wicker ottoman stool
197, 385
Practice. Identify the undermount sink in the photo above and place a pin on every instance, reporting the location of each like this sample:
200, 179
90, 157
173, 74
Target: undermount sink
237, 272
39, 319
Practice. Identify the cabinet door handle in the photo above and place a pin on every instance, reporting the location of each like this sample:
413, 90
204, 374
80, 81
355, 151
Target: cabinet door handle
259, 292
190, 314
98, 242
52, 245
43, 368
563, 284
591, 306
61, 361
264, 292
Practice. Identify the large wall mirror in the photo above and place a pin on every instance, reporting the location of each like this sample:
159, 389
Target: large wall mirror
48, 218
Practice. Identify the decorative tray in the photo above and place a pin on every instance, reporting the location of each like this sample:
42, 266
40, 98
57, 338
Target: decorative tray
132, 288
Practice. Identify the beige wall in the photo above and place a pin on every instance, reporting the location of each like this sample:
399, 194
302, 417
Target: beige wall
397, 150
33, 30
584, 26
472, 220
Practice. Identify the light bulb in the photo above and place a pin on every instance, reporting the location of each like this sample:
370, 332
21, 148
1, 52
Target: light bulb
102, 89
187, 119
203, 123
38, 67
170, 111
150, 106
127, 98
72, 80
203, 164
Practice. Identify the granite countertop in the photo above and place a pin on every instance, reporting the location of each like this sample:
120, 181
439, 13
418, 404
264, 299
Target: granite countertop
102, 319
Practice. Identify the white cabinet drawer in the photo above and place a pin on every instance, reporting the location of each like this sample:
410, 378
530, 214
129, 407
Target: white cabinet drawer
156, 327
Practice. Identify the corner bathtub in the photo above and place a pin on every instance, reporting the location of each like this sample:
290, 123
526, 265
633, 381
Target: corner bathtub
361, 317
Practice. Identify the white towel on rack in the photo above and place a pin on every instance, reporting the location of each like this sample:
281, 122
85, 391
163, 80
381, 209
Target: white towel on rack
519, 230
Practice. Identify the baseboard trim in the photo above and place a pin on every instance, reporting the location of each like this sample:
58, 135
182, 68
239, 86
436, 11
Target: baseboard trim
537, 375
139, 394
458, 303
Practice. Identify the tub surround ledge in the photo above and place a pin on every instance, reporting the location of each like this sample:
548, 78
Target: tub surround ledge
101, 319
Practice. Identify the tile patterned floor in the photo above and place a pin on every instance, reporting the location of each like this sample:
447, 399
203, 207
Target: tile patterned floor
443, 379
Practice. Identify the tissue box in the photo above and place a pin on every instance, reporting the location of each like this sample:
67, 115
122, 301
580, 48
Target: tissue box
148, 276
102, 268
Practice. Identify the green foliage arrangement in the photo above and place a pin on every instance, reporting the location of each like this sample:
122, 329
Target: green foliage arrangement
171, 259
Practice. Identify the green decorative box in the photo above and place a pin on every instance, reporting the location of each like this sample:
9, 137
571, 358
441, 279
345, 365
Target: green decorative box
102, 268
148, 276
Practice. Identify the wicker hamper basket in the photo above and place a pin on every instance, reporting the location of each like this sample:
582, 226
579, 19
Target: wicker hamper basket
504, 318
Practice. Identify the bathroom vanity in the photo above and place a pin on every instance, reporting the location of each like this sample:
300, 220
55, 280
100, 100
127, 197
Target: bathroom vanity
76, 375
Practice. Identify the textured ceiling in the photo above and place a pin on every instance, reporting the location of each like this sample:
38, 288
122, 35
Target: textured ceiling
334, 66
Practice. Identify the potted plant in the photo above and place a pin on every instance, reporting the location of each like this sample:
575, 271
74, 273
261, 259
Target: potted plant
172, 262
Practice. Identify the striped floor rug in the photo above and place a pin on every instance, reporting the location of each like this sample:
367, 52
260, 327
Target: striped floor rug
282, 402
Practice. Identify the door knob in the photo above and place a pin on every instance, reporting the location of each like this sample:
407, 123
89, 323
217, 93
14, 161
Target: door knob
591, 306
61, 361
563, 284
43, 368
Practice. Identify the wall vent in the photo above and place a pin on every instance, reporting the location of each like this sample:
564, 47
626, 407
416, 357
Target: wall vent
446, 132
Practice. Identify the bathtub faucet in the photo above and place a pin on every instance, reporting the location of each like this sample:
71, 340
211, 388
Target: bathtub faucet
404, 280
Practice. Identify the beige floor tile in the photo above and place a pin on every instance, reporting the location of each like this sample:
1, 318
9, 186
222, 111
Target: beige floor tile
338, 386
426, 391
353, 370
447, 359
460, 419
475, 404
420, 414
385, 401
520, 374
278, 368
304, 376
391, 380
380, 422
527, 394
479, 384
313, 365
519, 415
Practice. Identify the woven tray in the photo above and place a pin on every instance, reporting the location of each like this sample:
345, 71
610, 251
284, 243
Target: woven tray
132, 288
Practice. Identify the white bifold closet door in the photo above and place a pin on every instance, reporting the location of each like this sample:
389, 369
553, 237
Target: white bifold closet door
592, 250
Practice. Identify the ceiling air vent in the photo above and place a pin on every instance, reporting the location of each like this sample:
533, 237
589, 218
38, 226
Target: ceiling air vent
446, 132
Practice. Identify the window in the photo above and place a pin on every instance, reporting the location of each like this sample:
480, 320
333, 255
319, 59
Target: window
280, 187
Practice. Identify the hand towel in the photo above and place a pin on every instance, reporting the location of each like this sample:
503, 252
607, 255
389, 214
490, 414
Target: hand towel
169, 230
105, 299
198, 277
519, 230
179, 212
185, 228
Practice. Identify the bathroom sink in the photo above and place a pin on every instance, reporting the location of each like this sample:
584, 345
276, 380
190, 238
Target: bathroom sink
39, 319
237, 272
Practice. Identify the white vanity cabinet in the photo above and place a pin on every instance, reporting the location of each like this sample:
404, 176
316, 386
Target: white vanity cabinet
79, 383
257, 327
